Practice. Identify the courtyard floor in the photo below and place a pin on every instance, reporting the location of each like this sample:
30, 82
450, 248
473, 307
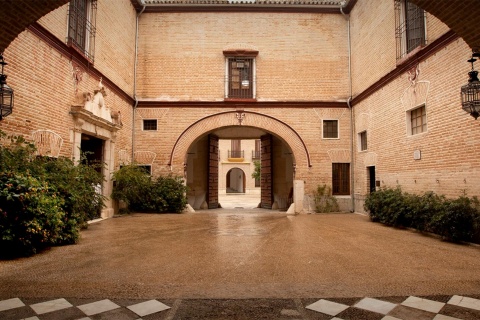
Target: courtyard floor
245, 264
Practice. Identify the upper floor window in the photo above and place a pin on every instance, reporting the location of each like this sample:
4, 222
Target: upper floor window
81, 26
330, 129
240, 74
417, 119
410, 27
362, 140
236, 151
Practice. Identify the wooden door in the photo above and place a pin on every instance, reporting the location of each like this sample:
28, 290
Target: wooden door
212, 189
266, 172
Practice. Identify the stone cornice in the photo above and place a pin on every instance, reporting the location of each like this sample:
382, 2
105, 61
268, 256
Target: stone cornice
237, 104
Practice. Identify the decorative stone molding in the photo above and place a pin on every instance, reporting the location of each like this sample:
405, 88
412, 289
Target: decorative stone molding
94, 110
152, 113
370, 159
124, 157
362, 122
339, 155
415, 95
47, 142
145, 157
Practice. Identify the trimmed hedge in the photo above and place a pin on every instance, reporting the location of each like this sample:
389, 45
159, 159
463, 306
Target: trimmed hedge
453, 219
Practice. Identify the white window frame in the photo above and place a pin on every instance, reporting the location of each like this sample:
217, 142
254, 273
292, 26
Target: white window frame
359, 141
408, 115
338, 129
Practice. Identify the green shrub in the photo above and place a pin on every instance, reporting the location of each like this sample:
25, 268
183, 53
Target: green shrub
45, 201
453, 219
456, 222
324, 201
31, 216
141, 193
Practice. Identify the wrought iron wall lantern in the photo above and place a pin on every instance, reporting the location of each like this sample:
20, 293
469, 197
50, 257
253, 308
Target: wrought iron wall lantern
471, 91
6, 93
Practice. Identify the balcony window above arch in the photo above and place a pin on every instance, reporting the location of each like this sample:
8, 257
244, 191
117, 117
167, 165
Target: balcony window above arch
240, 76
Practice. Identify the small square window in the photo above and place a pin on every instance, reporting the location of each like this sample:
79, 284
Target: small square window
418, 120
330, 129
362, 140
150, 125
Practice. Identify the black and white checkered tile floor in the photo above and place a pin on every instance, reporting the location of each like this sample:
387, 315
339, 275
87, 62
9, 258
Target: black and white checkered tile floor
387, 308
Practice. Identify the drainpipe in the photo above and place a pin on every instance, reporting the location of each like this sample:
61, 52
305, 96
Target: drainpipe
135, 78
349, 100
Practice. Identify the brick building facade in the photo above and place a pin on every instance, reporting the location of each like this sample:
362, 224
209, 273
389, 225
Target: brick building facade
322, 84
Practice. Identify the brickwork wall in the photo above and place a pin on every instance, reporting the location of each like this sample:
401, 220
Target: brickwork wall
372, 25
307, 122
43, 80
301, 56
449, 161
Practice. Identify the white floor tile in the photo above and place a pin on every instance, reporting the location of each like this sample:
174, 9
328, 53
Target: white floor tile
32, 318
148, 307
390, 318
423, 304
50, 306
11, 304
336, 318
375, 305
442, 317
98, 307
465, 302
327, 307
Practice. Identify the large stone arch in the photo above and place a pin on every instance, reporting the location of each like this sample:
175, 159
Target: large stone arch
17, 15
241, 118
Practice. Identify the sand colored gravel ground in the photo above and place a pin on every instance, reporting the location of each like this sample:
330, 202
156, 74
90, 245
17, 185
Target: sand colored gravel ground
240, 253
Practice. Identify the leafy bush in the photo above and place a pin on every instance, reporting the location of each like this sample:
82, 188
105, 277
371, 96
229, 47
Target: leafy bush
43, 201
324, 201
456, 222
453, 219
31, 217
141, 193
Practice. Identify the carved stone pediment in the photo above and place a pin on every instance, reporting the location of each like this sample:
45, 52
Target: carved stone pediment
80, 112
93, 110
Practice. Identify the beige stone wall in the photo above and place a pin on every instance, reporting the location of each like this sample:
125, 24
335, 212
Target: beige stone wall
449, 161
301, 56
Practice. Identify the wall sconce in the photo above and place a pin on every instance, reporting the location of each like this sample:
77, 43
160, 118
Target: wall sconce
6, 93
471, 92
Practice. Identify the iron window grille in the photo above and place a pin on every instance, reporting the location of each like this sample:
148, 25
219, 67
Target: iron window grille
240, 78
81, 26
236, 154
150, 125
410, 27
330, 129
418, 120
341, 178
257, 152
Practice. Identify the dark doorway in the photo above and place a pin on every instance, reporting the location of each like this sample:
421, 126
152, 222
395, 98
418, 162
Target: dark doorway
371, 179
92, 149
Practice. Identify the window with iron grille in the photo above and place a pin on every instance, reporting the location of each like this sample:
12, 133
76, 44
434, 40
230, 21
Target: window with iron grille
340, 178
418, 120
410, 27
150, 125
257, 152
240, 79
330, 129
362, 139
81, 26
236, 151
